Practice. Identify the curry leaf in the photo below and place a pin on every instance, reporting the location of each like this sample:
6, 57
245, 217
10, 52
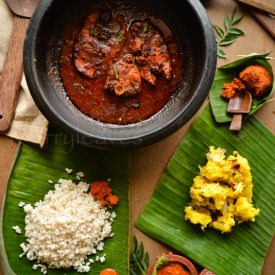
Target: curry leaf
93, 31
237, 20
236, 31
116, 71
234, 19
219, 30
139, 260
221, 53
234, 16
228, 35
120, 37
145, 27
228, 40
227, 23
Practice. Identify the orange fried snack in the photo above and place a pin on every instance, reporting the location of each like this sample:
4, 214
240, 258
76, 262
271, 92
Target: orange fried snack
229, 89
257, 79
108, 271
101, 191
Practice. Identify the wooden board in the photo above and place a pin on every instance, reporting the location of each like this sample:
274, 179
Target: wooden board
265, 5
264, 13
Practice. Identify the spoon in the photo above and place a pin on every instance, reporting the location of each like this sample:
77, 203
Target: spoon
12, 70
238, 105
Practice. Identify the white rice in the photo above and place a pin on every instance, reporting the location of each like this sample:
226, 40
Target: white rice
69, 170
80, 174
42, 267
102, 259
66, 227
21, 204
17, 229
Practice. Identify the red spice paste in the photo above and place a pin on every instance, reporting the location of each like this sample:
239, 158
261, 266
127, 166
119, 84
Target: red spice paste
173, 268
101, 191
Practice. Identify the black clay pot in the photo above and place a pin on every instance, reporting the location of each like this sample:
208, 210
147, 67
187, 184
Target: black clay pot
189, 22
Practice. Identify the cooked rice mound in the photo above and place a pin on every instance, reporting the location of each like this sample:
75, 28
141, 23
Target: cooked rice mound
66, 227
222, 193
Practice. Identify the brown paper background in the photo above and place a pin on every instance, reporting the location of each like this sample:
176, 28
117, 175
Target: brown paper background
149, 162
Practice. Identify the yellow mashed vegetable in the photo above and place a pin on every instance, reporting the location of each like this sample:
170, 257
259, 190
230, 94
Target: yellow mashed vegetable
222, 192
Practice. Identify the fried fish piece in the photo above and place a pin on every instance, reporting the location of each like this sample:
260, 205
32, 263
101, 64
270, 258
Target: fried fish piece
99, 41
151, 51
124, 78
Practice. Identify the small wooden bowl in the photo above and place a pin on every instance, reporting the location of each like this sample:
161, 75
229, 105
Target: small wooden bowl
180, 259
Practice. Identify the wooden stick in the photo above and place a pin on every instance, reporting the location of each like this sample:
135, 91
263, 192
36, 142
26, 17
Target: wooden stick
12, 73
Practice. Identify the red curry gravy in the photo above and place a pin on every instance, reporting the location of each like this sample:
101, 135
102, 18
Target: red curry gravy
89, 95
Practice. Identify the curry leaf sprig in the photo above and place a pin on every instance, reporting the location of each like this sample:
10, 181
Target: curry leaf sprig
227, 35
120, 37
139, 259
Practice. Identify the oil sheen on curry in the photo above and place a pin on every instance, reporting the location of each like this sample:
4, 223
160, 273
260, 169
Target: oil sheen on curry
121, 65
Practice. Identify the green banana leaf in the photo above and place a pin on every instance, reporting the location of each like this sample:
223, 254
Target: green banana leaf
243, 250
225, 74
29, 183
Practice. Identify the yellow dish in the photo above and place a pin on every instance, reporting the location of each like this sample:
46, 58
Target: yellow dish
221, 195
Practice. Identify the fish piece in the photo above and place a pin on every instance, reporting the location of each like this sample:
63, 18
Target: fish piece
99, 41
86, 49
124, 78
146, 74
152, 54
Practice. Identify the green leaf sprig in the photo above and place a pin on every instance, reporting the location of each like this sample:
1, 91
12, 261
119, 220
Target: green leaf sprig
93, 31
145, 27
228, 35
139, 259
120, 37
116, 71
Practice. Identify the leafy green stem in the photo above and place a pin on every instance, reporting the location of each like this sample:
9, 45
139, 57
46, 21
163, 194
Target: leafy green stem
229, 34
139, 259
